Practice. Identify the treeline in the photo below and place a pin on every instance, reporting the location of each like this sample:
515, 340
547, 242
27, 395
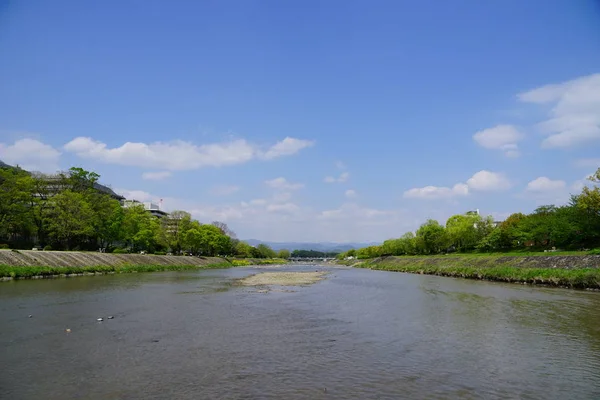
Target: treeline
67, 211
575, 226
313, 254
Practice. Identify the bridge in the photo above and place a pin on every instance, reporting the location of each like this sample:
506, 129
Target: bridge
310, 259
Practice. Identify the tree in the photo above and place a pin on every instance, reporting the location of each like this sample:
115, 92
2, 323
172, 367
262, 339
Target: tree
433, 237
16, 218
212, 241
193, 240
369, 252
511, 232
108, 219
284, 253
78, 179
588, 203
243, 249
462, 231
393, 247
70, 217
264, 251
140, 229
589, 199
173, 229
224, 229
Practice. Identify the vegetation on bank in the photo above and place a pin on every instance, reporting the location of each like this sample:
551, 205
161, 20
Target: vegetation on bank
574, 226
258, 261
68, 211
31, 271
24, 272
313, 254
580, 272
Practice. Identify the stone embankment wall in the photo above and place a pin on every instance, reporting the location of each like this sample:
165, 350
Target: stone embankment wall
562, 262
91, 259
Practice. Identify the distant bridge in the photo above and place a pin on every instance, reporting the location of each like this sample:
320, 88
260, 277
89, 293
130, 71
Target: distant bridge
310, 259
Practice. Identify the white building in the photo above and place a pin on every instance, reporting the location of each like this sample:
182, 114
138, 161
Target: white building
152, 208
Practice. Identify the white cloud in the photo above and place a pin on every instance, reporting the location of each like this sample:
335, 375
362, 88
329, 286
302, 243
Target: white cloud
488, 181
574, 118
500, 216
579, 184
437, 192
480, 181
544, 184
31, 155
285, 207
280, 219
282, 184
180, 155
156, 176
224, 190
500, 137
350, 193
343, 177
138, 195
282, 196
286, 147
254, 202
340, 165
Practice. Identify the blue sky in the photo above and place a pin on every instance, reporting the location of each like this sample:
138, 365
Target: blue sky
308, 120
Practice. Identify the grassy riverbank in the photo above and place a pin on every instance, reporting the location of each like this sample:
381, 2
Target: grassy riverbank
25, 272
581, 272
24, 264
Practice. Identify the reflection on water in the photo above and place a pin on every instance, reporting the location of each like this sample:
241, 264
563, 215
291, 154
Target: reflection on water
357, 334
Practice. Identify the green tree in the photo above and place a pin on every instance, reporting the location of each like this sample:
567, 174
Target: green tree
588, 203
463, 231
212, 241
224, 229
264, 251
16, 218
243, 249
284, 253
78, 179
393, 247
108, 219
139, 228
173, 229
70, 218
432, 236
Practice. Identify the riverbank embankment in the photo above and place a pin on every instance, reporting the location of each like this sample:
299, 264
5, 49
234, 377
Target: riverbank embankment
572, 271
23, 264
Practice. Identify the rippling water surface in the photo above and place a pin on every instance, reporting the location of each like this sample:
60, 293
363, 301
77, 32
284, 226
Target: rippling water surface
358, 334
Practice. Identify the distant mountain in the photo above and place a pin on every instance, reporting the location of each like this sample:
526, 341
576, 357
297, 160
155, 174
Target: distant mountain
322, 246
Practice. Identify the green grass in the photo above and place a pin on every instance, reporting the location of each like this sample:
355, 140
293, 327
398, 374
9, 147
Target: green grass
581, 278
24, 272
523, 253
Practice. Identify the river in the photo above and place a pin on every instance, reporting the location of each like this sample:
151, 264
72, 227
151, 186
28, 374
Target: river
358, 334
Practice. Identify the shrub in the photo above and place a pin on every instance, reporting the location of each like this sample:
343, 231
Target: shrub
4, 246
594, 252
47, 247
119, 250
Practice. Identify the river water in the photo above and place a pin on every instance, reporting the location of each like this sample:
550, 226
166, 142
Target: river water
358, 334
